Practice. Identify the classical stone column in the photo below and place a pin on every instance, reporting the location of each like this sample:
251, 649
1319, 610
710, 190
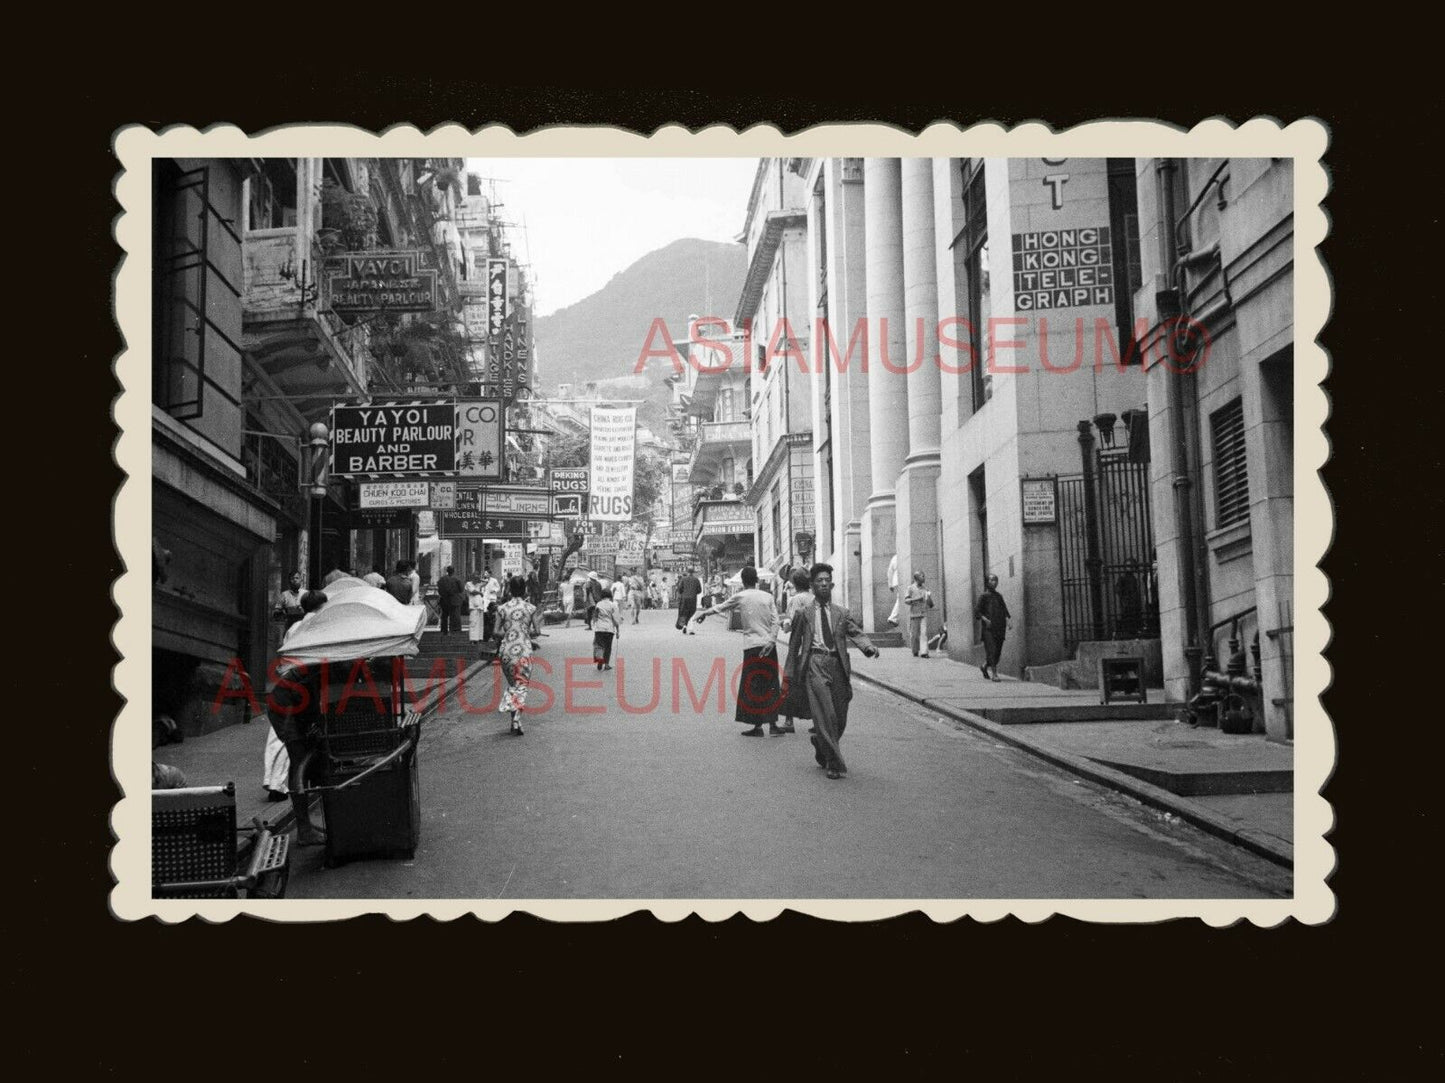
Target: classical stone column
887, 387
847, 304
917, 487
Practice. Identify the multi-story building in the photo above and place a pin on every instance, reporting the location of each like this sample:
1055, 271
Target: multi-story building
992, 393
713, 399
773, 306
252, 348
1217, 259
217, 502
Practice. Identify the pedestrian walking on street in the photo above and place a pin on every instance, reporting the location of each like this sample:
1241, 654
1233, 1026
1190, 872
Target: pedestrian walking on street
893, 586
818, 668
476, 612
919, 602
517, 623
689, 587
415, 577
606, 626
759, 689
992, 612
800, 596
398, 585
635, 596
289, 605
449, 594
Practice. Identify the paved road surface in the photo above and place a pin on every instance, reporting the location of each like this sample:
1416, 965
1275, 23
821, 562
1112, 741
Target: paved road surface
597, 802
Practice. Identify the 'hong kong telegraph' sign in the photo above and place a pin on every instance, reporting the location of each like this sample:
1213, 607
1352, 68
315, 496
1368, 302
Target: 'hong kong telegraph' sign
394, 439
1063, 268
362, 283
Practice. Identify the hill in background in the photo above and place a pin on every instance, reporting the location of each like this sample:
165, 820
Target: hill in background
601, 336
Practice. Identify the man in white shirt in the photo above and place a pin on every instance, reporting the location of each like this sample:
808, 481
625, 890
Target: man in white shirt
416, 598
893, 586
759, 690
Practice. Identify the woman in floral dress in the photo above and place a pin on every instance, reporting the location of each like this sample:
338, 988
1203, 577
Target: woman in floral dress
517, 624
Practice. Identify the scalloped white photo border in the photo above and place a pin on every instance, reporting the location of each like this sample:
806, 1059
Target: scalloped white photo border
1305, 141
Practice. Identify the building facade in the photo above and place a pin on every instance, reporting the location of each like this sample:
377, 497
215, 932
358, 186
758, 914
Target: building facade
773, 311
252, 346
1218, 262
992, 392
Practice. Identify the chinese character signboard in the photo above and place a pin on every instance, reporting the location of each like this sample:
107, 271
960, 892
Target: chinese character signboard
479, 439
394, 439
614, 447
364, 283
498, 305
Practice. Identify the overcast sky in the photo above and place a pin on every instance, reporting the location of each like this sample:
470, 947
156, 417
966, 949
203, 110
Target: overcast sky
589, 218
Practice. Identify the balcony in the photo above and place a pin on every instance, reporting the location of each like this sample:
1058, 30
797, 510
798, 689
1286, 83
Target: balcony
304, 349
716, 441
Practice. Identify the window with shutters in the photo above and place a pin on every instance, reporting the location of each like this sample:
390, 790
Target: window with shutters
1231, 472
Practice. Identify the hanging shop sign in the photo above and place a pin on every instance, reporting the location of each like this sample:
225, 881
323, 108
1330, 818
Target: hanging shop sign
511, 559
443, 495
480, 435
365, 283
394, 439
394, 494
1040, 500
567, 505
498, 305
529, 503
614, 449
380, 518
571, 479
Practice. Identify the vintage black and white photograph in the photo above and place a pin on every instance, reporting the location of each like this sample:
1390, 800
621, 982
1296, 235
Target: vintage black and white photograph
852, 522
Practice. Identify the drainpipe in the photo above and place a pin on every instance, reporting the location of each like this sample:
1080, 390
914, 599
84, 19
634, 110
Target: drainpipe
1181, 464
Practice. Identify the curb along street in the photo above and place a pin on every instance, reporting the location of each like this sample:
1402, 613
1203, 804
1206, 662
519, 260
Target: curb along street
1256, 842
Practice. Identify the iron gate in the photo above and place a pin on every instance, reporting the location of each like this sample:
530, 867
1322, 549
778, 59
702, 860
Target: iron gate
1106, 553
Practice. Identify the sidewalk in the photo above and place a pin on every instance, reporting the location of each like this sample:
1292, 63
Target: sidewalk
1238, 787
234, 754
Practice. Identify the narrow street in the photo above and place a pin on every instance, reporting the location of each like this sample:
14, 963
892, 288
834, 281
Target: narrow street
667, 800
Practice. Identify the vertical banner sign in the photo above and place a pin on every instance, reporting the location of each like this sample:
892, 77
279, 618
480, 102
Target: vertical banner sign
498, 306
479, 439
524, 347
614, 448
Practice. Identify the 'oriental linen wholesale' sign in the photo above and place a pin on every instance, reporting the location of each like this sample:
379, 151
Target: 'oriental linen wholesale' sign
479, 439
362, 283
394, 439
614, 451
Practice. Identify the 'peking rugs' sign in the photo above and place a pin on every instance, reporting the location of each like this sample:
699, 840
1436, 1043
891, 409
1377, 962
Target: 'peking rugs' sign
614, 450
365, 283
394, 440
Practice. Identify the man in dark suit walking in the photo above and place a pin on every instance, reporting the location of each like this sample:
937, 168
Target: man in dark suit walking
818, 672
449, 596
